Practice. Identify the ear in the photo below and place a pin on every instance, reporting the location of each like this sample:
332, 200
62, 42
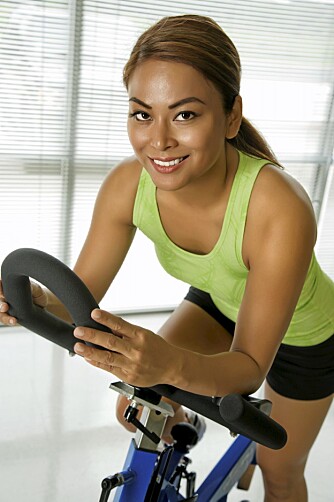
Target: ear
234, 119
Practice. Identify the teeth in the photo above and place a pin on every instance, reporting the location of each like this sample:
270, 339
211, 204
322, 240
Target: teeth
168, 164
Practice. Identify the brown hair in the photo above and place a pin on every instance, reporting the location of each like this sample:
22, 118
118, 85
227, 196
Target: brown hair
200, 42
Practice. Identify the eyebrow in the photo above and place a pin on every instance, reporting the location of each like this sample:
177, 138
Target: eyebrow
184, 101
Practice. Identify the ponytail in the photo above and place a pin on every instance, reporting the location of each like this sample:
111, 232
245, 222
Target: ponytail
250, 141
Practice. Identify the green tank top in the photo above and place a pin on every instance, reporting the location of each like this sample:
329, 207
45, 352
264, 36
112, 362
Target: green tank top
222, 272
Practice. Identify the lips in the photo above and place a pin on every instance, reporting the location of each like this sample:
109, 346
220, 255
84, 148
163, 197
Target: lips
168, 164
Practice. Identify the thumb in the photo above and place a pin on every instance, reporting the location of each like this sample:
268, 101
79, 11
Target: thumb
39, 295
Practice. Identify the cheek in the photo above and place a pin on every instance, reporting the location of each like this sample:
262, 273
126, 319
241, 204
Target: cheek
205, 142
196, 139
208, 135
136, 138
215, 136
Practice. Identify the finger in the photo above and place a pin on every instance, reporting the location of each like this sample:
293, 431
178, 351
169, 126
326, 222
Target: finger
116, 324
105, 358
38, 294
107, 340
118, 372
36, 288
5, 318
3, 305
8, 320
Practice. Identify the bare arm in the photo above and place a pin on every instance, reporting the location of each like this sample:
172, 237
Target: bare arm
280, 250
110, 235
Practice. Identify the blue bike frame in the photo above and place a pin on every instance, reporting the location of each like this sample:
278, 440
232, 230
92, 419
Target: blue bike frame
139, 466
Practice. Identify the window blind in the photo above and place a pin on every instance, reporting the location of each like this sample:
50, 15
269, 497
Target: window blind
33, 81
63, 112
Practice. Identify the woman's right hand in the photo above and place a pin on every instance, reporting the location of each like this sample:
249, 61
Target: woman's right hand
39, 297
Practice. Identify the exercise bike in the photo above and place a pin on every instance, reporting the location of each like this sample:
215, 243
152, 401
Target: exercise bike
153, 471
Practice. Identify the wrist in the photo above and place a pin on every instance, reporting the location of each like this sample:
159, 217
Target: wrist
183, 371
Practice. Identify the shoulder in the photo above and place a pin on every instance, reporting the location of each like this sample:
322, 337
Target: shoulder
118, 190
279, 196
124, 176
279, 208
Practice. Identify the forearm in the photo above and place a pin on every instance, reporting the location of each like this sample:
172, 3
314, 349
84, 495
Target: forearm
215, 375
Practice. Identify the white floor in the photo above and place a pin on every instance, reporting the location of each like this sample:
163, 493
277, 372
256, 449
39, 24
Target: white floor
59, 437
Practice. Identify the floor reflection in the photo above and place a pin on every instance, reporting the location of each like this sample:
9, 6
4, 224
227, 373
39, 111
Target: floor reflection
58, 433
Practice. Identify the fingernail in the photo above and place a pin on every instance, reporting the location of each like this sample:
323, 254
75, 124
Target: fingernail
96, 313
2, 306
78, 333
79, 348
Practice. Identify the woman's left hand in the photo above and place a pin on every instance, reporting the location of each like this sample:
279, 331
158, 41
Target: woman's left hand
135, 355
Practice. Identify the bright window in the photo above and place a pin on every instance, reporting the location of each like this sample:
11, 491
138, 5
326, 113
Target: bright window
63, 113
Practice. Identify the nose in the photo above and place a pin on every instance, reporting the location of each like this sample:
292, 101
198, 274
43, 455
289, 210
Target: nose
162, 137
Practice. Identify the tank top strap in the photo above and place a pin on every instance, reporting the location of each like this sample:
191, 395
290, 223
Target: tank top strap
145, 212
237, 208
145, 201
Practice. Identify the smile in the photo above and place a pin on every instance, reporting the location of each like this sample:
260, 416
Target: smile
169, 163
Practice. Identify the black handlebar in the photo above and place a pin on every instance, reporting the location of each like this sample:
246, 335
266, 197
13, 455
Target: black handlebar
242, 415
58, 278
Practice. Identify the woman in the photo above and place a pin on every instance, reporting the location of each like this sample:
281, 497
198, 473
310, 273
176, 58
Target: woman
227, 219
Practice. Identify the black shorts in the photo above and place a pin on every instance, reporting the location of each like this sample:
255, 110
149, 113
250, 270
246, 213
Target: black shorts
303, 373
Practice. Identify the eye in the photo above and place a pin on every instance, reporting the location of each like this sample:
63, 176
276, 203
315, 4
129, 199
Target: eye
185, 116
140, 116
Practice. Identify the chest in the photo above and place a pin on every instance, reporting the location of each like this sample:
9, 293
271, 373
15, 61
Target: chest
191, 229
197, 230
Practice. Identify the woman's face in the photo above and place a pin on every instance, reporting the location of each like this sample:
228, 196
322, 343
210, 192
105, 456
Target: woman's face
177, 125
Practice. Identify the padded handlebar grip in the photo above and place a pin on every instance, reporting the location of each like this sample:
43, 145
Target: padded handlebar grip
243, 418
58, 278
